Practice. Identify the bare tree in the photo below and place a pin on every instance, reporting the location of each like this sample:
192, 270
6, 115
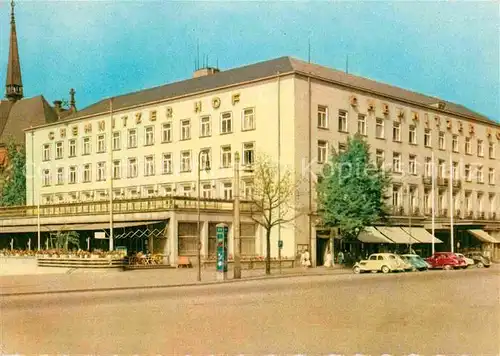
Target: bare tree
273, 200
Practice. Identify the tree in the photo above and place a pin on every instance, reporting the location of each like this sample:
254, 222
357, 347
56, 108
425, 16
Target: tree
14, 188
63, 239
351, 190
273, 195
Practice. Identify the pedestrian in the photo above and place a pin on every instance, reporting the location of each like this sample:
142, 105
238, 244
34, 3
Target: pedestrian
305, 259
340, 258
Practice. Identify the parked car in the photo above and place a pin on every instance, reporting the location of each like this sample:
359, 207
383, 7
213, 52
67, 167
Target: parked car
479, 259
417, 262
469, 261
446, 260
407, 266
383, 262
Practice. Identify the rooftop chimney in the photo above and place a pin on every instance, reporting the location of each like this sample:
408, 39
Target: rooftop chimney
202, 72
58, 105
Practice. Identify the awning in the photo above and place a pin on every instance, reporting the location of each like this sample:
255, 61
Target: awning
397, 235
484, 236
371, 235
422, 235
73, 227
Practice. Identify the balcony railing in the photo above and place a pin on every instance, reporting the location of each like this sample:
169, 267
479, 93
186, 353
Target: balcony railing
120, 206
441, 181
427, 180
457, 183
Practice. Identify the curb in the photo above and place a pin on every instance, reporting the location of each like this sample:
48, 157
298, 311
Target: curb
166, 286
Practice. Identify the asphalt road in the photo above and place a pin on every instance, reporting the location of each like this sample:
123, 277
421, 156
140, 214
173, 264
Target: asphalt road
424, 313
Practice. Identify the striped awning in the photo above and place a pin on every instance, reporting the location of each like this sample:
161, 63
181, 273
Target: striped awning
373, 236
483, 236
396, 234
422, 235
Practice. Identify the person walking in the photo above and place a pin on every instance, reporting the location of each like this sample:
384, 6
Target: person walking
340, 258
306, 259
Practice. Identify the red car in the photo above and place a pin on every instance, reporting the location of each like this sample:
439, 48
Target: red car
446, 260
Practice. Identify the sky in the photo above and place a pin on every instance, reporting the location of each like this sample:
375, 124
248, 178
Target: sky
448, 49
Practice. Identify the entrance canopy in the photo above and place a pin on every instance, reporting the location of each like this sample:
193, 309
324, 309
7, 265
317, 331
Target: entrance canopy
484, 236
372, 235
397, 235
422, 235
73, 227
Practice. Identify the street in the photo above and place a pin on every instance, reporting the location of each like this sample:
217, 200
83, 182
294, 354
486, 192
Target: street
424, 313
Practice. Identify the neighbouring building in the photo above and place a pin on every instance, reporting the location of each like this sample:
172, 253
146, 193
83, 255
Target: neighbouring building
148, 144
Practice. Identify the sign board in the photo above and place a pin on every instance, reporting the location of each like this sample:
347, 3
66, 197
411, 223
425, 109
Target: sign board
99, 235
222, 231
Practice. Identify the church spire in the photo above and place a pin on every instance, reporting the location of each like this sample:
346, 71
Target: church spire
14, 84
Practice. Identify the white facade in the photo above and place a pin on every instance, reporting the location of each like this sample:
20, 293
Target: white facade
158, 145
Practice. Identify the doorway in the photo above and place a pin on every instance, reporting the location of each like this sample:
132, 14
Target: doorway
321, 248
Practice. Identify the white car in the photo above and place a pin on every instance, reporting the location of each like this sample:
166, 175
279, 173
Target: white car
470, 261
383, 262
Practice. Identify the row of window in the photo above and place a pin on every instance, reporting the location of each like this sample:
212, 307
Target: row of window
226, 127
442, 199
208, 190
167, 165
397, 133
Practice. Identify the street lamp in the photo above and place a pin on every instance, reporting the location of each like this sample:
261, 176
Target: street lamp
207, 167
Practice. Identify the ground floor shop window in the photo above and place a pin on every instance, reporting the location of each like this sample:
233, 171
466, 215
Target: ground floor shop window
187, 239
247, 233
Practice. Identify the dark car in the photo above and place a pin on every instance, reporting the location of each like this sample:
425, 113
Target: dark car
445, 260
480, 260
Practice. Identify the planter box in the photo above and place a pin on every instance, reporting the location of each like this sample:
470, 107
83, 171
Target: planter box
247, 265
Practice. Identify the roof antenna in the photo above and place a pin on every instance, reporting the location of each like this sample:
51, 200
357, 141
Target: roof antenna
309, 50
347, 64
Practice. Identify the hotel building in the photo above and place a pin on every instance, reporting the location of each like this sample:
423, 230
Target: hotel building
148, 143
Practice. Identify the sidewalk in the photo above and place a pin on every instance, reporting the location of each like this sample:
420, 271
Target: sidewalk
120, 280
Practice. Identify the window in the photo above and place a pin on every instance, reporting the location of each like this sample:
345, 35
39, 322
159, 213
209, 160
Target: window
441, 142
185, 129
59, 150
167, 164
480, 202
166, 190
205, 159
480, 148
455, 172
116, 140
248, 153
206, 191
480, 177
227, 189
427, 138
205, 127
248, 190
117, 169
132, 138
132, 168
46, 177
396, 132
428, 167
149, 133
412, 164
226, 123
87, 173
101, 171
412, 135
86, 146
248, 119
149, 166
396, 192
467, 173
185, 161
491, 150
72, 148
379, 158
468, 201
322, 151
342, 147
396, 162
186, 190
362, 124
226, 156
101, 144
72, 175
491, 176
379, 128
166, 132
468, 147
322, 117
492, 202
342, 121
441, 168
46, 152
427, 199
60, 176
454, 143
